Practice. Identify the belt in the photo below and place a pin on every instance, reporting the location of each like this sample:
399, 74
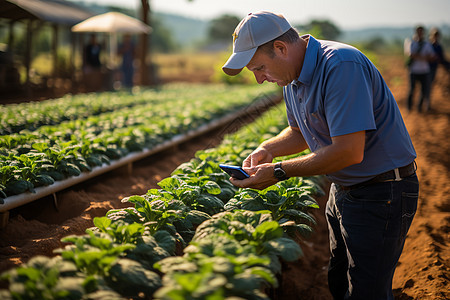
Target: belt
396, 174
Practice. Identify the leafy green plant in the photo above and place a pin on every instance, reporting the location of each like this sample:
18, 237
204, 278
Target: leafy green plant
157, 210
75, 137
93, 253
122, 254
205, 171
254, 229
221, 254
195, 192
202, 277
232, 254
130, 279
51, 278
288, 200
149, 247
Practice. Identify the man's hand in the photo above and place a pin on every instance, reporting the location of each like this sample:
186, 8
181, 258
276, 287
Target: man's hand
259, 156
261, 177
260, 168
259, 163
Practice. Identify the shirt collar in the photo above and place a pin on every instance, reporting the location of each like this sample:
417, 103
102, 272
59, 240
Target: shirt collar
310, 61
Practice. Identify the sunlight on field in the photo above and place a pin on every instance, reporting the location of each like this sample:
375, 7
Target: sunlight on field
191, 67
43, 64
175, 64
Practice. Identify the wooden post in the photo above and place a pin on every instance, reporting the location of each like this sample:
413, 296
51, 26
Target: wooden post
73, 70
28, 56
11, 36
55, 51
144, 44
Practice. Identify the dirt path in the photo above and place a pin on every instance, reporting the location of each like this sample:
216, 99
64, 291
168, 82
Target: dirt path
424, 269
423, 272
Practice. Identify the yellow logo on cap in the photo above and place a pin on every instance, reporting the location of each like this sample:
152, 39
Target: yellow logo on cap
234, 36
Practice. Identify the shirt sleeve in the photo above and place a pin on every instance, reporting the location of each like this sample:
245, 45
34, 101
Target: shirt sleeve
348, 99
290, 117
429, 50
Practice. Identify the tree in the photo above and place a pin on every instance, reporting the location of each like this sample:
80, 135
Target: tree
220, 29
375, 44
322, 29
161, 37
145, 43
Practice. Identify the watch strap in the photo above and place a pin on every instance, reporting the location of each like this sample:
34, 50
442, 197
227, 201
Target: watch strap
279, 173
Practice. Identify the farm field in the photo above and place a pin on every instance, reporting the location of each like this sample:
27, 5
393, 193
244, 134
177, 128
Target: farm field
423, 272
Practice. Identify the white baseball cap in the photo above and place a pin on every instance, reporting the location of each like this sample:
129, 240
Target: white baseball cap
253, 31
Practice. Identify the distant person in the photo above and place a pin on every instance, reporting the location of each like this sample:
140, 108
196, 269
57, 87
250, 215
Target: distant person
420, 53
128, 52
439, 56
92, 55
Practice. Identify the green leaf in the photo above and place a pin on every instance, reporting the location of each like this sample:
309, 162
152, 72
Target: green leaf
273, 197
69, 288
303, 230
101, 243
30, 273
176, 264
169, 183
286, 248
298, 216
253, 204
137, 200
134, 230
130, 279
212, 188
41, 147
267, 231
102, 223
165, 240
72, 170
44, 180
209, 204
265, 274
245, 283
18, 187
197, 217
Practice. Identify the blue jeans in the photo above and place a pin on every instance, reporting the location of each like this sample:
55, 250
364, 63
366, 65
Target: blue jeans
367, 231
424, 80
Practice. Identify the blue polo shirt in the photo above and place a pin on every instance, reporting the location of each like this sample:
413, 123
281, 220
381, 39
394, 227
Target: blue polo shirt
339, 91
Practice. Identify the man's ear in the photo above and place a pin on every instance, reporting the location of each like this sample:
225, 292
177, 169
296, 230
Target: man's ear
280, 48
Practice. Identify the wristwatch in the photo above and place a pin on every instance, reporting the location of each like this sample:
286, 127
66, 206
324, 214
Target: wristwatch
279, 173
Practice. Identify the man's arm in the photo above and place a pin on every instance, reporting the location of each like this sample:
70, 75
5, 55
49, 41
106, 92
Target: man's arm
289, 141
345, 150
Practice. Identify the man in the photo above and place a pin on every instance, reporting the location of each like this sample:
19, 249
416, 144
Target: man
440, 59
339, 107
420, 53
92, 54
128, 52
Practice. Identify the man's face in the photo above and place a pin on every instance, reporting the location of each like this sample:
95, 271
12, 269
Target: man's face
271, 69
420, 33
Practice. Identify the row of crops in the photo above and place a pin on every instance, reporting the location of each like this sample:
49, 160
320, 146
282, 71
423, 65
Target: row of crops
195, 237
41, 143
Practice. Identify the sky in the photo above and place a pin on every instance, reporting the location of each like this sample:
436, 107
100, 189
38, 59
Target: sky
346, 14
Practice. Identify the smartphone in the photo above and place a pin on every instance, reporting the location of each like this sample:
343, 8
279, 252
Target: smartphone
234, 171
